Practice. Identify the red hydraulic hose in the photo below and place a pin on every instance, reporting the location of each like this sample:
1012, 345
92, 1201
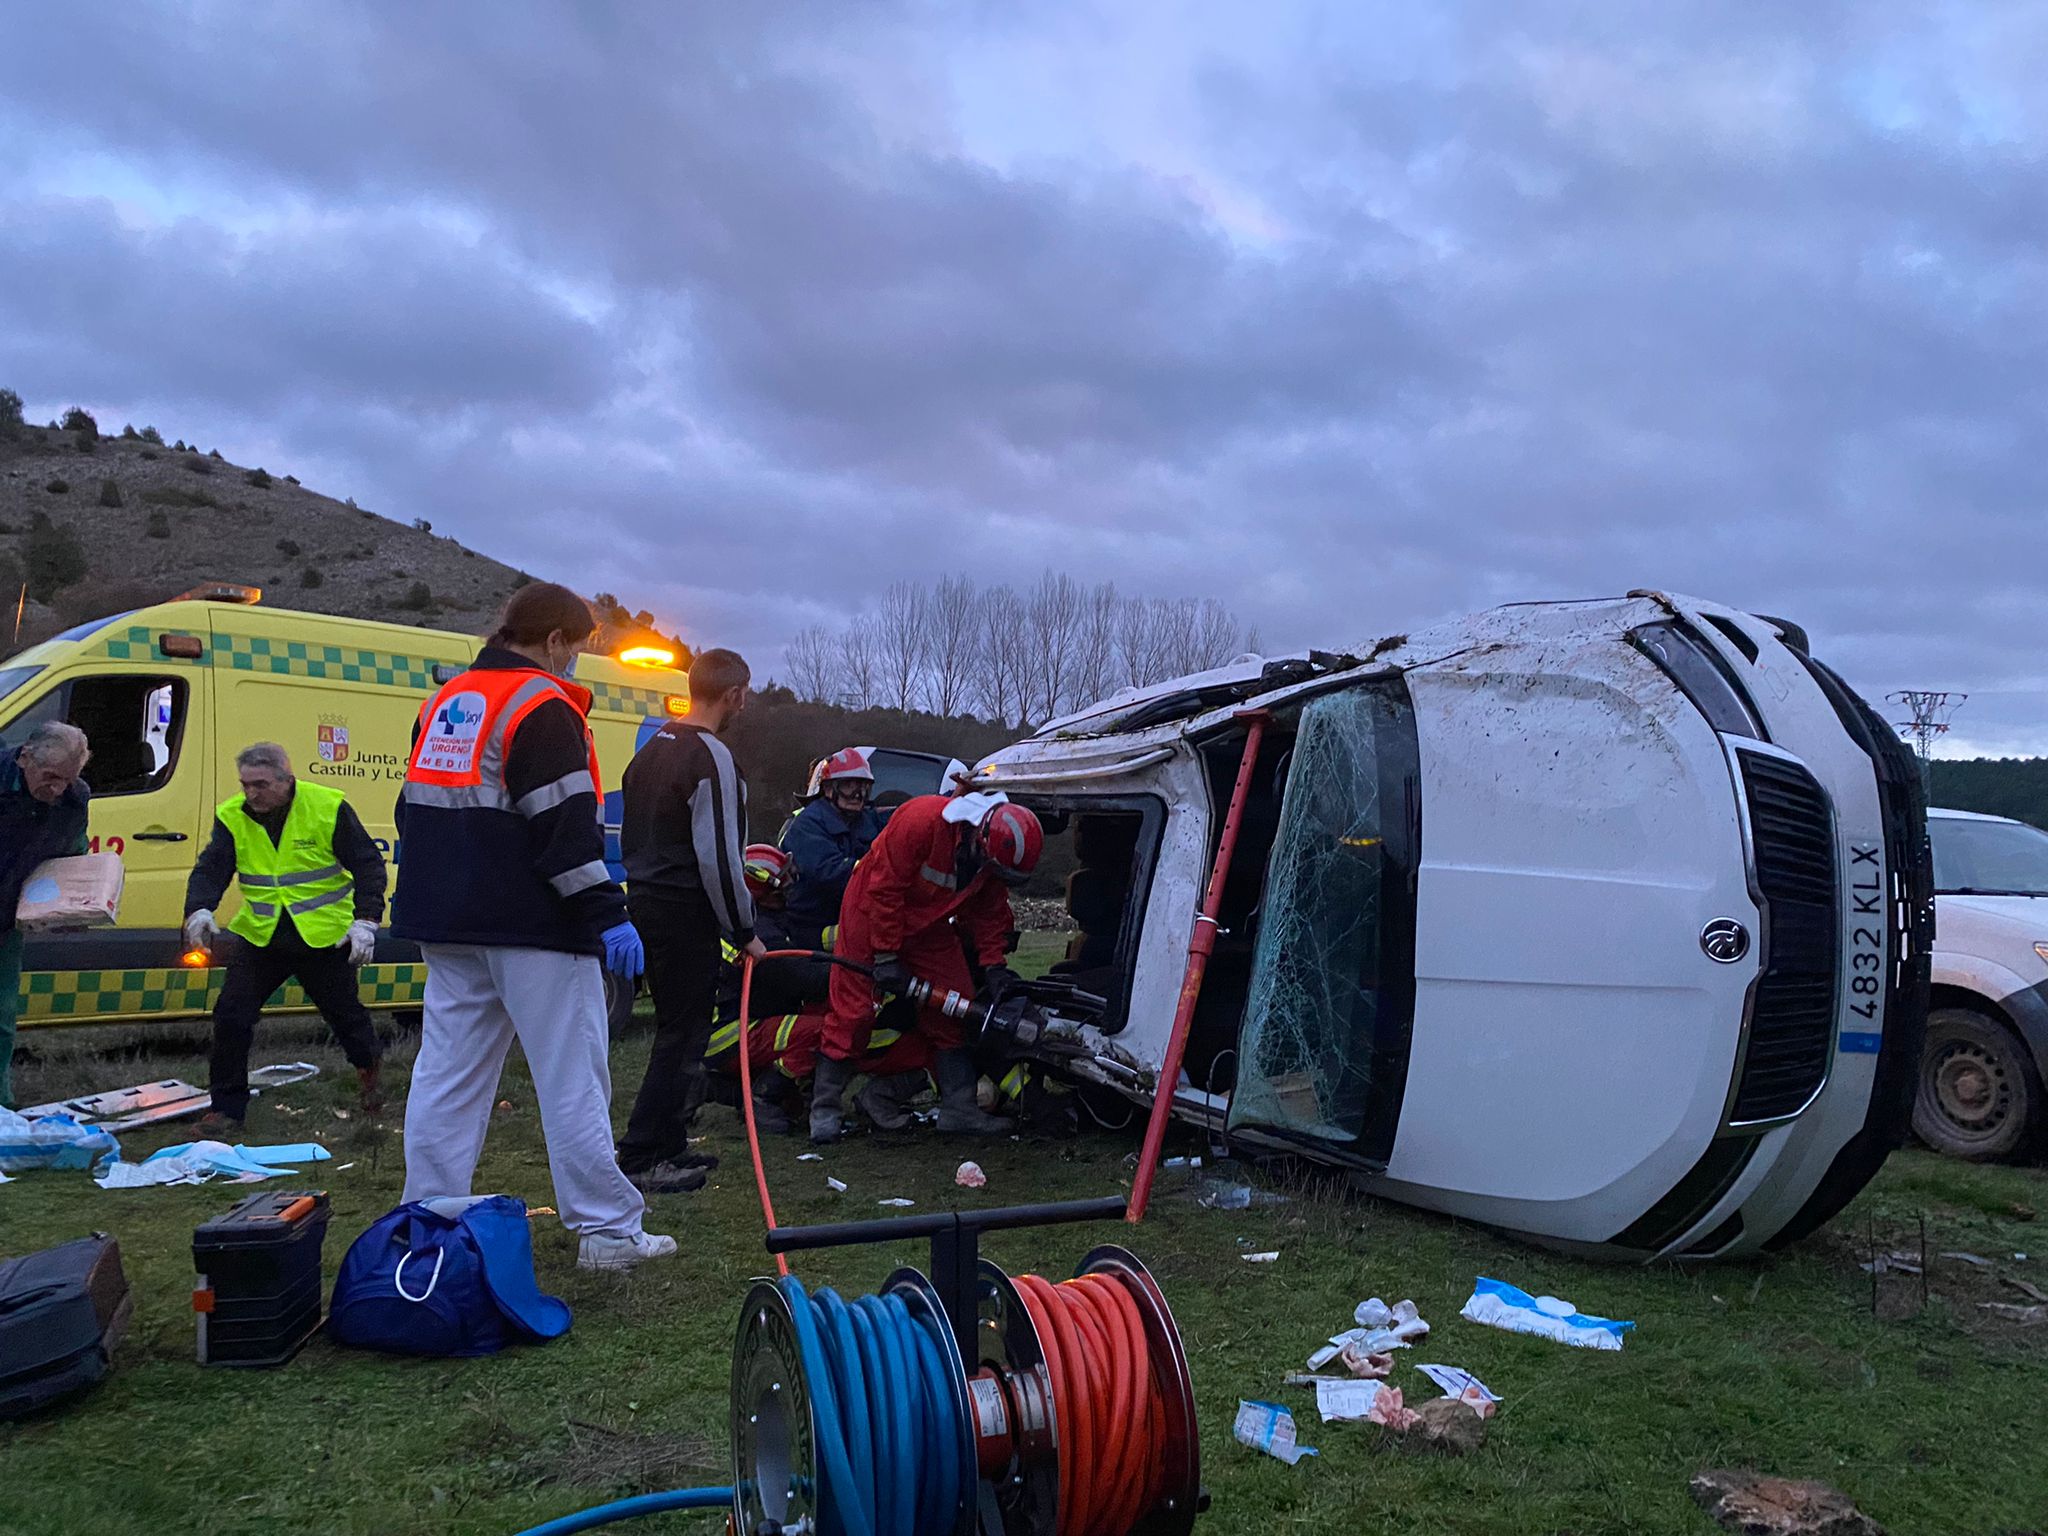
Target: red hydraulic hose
1200, 947
747, 1085
747, 1070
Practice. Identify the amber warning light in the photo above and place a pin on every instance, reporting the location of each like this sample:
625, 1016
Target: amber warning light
676, 704
648, 656
198, 959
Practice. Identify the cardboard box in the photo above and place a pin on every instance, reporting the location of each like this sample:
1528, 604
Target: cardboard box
81, 892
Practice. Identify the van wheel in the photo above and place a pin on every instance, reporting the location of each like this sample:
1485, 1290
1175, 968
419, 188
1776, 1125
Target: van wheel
1978, 1096
619, 997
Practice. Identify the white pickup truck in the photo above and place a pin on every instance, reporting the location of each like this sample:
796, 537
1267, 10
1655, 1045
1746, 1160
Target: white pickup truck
1604, 922
1987, 1037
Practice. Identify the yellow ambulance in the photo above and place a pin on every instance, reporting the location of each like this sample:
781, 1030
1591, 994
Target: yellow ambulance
169, 694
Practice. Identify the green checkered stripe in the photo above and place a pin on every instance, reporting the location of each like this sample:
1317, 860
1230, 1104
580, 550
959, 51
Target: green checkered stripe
302, 658
637, 702
391, 986
138, 644
53, 996
341, 663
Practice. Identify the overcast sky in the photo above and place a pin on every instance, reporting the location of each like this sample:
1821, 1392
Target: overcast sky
1355, 316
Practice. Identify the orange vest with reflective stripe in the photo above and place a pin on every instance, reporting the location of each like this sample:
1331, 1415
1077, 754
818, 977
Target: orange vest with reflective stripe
466, 733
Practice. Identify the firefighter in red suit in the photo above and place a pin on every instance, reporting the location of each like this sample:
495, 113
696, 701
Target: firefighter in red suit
936, 881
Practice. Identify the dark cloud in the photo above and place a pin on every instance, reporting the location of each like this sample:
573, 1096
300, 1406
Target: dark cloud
1353, 318
335, 312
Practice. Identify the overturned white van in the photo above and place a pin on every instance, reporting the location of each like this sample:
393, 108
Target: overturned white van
1604, 922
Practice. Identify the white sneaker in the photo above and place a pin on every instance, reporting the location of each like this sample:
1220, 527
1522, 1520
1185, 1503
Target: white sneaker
623, 1252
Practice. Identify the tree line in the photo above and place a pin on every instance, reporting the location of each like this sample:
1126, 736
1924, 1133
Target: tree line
2001, 786
950, 648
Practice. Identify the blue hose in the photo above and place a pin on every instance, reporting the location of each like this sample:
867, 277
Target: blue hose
889, 1444
627, 1509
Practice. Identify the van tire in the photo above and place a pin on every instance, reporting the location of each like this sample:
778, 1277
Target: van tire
619, 998
1978, 1096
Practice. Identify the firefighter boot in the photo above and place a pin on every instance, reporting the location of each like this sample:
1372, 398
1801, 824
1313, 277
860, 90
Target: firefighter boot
770, 1118
886, 1100
959, 1114
828, 1090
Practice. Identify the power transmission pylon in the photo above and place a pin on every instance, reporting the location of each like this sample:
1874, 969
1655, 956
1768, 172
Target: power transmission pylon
1931, 710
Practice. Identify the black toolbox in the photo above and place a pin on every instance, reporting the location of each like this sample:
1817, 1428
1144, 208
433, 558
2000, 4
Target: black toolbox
258, 1291
62, 1311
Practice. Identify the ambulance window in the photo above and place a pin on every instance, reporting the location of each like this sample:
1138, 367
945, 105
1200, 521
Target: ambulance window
133, 724
49, 707
12, 678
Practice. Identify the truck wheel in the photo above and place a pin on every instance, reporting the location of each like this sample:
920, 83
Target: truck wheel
619, 997
1978, 1096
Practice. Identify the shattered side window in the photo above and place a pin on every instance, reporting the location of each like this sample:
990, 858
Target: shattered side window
1324, 1042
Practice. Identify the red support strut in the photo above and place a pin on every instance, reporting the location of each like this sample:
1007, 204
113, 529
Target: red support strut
1200, 947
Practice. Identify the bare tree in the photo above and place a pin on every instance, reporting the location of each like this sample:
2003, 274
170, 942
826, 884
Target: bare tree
951, 635
1136, 642
1054, 616
1012, 657
903, 643
1215, 635
811, 663
1253, 644
860, 664
999, 656
1175, 623
1094, 647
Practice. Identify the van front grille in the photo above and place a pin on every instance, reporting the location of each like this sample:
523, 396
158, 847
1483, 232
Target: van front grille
1792, 1022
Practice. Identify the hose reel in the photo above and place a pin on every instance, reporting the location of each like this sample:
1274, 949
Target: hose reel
963, 1402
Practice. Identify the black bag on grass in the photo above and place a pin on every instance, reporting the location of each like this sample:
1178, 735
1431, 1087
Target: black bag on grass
62, 1311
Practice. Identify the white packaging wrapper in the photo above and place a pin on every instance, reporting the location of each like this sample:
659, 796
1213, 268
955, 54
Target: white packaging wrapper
1464, 1386
1270, 1428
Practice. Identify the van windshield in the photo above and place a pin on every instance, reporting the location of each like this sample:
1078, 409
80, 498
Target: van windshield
1988, 858
1323, 1049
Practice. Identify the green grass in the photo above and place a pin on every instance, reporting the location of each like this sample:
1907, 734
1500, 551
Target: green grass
1930, 1422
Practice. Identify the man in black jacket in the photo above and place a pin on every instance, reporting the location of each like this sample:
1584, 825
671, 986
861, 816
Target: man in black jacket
42, 816
682, 835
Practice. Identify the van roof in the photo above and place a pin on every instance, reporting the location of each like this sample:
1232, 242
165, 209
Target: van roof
1935, 812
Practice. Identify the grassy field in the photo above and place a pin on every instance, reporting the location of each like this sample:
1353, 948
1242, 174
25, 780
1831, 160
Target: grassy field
1930, 1416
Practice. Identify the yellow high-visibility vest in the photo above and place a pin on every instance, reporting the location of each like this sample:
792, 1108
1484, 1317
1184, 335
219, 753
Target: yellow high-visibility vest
298, 874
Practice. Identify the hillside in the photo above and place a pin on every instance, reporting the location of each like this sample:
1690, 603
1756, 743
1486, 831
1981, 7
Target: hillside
185, 518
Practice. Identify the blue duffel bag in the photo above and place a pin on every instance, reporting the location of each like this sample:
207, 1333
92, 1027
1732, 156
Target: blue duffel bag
444, 1277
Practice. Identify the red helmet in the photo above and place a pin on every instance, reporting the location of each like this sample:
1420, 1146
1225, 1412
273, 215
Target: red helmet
767, 867
846, 763
1013, 840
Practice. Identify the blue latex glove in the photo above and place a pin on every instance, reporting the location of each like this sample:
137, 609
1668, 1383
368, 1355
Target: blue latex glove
623, 951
